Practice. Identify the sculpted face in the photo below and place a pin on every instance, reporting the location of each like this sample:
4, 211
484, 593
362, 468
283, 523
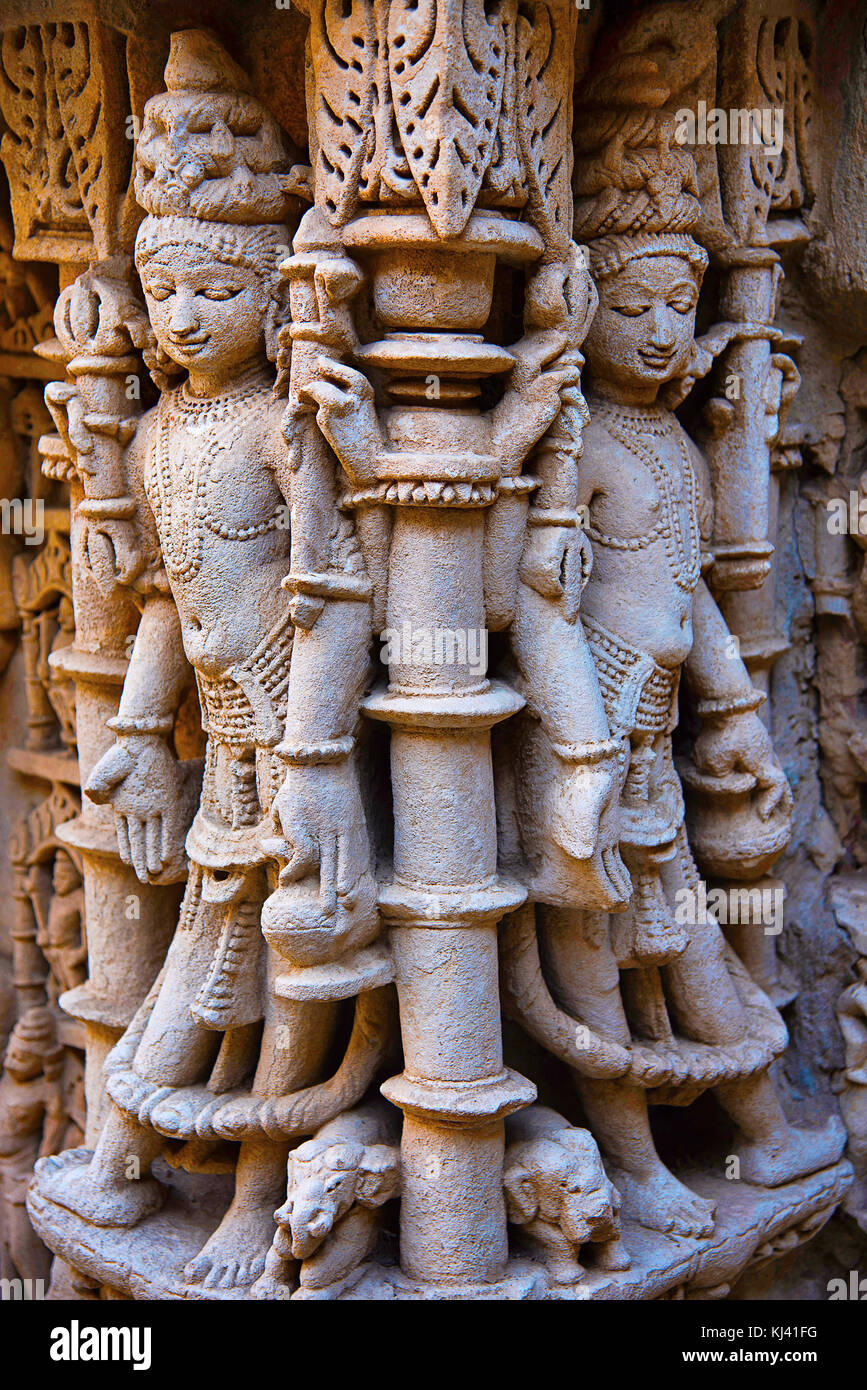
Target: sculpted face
65, 876
644, 328
22, 1063
207, 315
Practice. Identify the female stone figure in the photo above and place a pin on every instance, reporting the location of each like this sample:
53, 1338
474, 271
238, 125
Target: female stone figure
33, 1121
643, 489
212, 463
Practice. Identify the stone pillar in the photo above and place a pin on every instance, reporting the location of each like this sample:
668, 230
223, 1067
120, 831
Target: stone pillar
449, 124
129, 924
444, 902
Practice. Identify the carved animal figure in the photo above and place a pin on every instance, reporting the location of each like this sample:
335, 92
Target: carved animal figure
329, 1222
558, 1194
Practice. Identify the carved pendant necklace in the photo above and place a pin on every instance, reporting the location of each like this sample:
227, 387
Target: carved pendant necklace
179, 499
626, 425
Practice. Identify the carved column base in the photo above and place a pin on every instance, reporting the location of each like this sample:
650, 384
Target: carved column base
753, 1225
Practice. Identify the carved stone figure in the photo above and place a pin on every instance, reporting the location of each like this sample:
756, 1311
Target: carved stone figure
59, 934
212, 463
329, 1222
417, 648
557, 1192
648, 615
33, 1121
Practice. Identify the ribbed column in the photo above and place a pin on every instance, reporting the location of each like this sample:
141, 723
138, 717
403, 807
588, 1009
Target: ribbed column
445, 897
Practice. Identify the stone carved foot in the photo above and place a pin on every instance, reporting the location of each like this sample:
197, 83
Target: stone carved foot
176, 1114
656, 1199
792, 1154
76, 1183
234, 1257
132, 1094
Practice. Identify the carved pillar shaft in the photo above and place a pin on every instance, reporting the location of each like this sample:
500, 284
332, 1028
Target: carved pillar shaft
445, 899
128, 926
462, 112
740, 457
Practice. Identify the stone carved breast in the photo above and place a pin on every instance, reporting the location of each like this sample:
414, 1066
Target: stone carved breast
203, 476
657, 500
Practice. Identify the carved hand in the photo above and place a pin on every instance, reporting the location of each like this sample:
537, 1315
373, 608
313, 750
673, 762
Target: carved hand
585, 823
320, 813
529, 407
557, 561
101, 312
337, 279
346, 415
113, 549
153, 800
742, 743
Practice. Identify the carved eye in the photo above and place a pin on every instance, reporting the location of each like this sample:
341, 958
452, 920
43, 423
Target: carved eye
218, 292
630, 311
160, 292
682, 306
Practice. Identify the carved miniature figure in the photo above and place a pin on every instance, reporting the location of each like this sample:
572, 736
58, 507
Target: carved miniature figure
33, 1122
558, 1194
849, 903
329, 1223
60, 929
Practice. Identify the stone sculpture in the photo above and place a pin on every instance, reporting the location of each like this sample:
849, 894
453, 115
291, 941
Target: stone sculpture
413, 627
329, 1223
558, 1194
207, 254
32, 1122
647, 493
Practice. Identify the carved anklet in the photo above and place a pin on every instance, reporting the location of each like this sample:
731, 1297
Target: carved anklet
730, 704
142, 724
330, 750
592, 751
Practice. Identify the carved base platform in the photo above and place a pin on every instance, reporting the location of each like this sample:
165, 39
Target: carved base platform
753, 1225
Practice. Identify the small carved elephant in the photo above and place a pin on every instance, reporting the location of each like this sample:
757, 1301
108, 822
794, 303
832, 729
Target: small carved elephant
329, 1222
557, 1193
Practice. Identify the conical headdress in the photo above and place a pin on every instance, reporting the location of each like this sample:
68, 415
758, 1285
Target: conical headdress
636, 194
211, 163
208, 148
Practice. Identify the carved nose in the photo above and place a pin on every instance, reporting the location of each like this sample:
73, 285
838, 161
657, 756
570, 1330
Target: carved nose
662, 337
183, 319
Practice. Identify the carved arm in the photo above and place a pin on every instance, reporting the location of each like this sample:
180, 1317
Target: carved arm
733, 737
153, 795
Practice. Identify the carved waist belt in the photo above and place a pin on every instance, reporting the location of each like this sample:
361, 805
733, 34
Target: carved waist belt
247, 707
639, 694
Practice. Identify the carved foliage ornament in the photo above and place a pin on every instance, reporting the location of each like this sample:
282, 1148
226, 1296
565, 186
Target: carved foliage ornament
448, 102
64, 100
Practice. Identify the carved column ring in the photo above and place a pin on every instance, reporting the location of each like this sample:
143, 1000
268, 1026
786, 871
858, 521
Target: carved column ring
100, 365
513, 242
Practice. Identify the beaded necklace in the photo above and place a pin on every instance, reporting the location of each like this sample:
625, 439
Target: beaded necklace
179, 499
626, 424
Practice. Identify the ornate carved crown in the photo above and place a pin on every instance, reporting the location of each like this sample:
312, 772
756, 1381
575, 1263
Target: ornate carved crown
636, 193
208, 148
